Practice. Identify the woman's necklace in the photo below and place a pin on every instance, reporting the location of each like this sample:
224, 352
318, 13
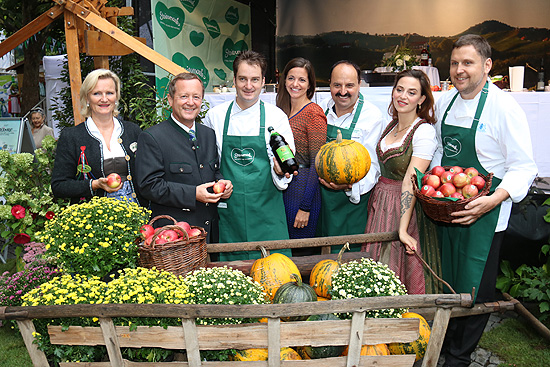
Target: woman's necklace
398, 131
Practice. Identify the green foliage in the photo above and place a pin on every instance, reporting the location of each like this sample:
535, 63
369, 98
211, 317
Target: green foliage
529, 282
25, 184
12, 348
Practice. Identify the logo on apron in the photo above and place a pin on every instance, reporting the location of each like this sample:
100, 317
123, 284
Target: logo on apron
451, 146
243, 157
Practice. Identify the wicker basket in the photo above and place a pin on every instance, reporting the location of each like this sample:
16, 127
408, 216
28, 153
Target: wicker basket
440, 210
178, 257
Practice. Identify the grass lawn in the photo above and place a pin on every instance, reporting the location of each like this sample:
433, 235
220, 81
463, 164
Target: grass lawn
12, 349
518, 344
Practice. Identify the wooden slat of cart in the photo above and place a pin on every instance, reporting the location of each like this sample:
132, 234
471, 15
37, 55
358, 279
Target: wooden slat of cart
219, 337
366, 361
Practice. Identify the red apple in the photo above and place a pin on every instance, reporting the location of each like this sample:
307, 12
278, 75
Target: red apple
471, 172
456, 170
424, 179
434, 181
219, 187
478, 182
447, 176
160, 241
438, 194
447, 189
146, 231
461, 179
194, 232
169, 235
438, 170
427, 190
457, 195
184, 225
469, 190
114, 180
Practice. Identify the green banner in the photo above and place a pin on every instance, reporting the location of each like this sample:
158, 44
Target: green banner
203, 36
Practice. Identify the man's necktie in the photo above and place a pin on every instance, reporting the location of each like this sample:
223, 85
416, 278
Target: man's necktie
192, 135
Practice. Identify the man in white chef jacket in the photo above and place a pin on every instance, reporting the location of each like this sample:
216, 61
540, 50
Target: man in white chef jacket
344, 208
255, 211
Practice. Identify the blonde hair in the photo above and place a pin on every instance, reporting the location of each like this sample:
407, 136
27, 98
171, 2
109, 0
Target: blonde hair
90, 82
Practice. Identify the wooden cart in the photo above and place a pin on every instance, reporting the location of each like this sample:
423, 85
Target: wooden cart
272, 335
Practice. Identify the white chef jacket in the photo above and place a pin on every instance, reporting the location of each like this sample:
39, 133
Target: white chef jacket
368, 130
503, 142
247, 123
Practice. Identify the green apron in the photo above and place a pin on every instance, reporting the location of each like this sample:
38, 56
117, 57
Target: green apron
338, 215
255, 210
464, 249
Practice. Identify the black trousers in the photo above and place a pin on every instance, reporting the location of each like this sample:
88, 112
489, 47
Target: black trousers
463, 333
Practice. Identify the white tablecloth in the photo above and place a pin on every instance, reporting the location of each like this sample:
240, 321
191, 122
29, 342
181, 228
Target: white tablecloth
535, 104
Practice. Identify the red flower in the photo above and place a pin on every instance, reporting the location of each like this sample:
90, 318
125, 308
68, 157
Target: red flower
22, 238
18, 211
50, 215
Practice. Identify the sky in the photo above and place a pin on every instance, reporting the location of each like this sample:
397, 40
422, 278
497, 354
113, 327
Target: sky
425, 17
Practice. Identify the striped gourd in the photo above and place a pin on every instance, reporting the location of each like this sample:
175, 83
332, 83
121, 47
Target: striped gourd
372, 350
342, 161
418, 346
320, 278
325, 351
295, 292
273, 271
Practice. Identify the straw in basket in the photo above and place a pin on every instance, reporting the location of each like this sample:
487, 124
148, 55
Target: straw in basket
440, 210
178, 257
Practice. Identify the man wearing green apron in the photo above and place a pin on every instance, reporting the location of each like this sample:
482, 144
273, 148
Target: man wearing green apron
344, 207
255, 210
479, 126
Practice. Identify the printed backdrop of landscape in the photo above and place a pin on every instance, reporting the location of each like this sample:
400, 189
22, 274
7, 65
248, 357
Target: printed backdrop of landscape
516, 44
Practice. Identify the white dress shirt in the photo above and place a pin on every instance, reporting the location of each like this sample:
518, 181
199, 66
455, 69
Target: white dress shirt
116, 147
247, 123
503, 142
367, 131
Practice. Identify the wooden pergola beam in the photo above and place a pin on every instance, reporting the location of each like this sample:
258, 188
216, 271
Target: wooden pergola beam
30, 29
124, 38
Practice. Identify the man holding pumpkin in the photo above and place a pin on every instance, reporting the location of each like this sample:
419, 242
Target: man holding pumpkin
344, 207
255, 211
483, 127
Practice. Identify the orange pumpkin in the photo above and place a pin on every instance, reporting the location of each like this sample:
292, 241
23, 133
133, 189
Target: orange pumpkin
273, 271
260, 354
320, 278
342, 161
372, 350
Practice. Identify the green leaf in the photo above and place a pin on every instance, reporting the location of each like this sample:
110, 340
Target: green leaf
506, 269
544, 307
64, 327
503, 284
5, 234
515, 290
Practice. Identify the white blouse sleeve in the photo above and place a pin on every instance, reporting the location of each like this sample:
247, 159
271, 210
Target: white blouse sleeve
424, 142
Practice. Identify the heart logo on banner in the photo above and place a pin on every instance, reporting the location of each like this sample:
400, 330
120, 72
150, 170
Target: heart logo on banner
212, 27
244, 28
194, 65
220, 73
243, 157
231, 51
190, 5
451, 146
196, 38
232, 15
170, 20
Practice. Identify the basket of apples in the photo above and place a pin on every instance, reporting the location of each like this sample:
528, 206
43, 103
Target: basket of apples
178, 248
445, 190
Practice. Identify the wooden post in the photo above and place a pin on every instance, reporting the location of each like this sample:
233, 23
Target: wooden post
273, 342
111, 341
356, 338
73, 56
38, 357
101, 62
439, 328
191, 342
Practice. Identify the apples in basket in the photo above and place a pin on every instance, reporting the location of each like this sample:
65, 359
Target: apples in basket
445, 190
